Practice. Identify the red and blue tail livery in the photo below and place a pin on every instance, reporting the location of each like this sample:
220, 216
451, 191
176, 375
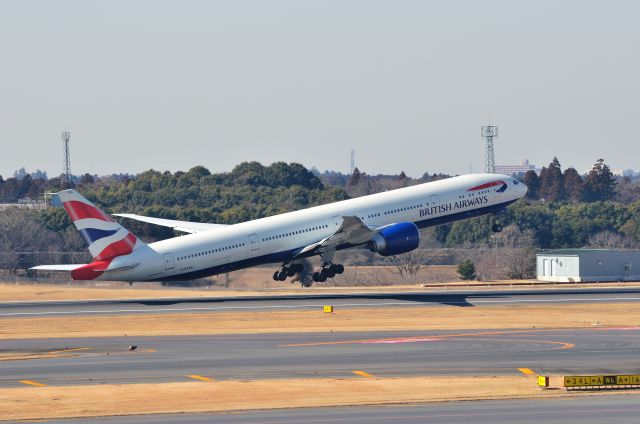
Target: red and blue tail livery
105, 237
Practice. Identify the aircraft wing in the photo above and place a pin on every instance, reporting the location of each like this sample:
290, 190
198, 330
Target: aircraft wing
352, 231
183, 226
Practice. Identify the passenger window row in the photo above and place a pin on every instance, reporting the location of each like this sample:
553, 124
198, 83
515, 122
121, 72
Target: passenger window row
212, 251
293, 233
408, 208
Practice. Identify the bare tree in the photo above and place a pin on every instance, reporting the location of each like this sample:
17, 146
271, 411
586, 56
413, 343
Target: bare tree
610, 240
509, 254
409, 264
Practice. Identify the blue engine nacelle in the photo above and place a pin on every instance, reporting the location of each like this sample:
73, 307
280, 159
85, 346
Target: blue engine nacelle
395, 239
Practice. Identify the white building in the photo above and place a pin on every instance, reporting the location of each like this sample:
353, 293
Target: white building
588, 265
516, 169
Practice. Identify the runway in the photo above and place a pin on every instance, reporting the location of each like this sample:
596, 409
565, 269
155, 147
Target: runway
591, 410
312, 355
312, 301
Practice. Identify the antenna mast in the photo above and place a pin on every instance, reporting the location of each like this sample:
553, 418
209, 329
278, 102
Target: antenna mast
489, 132
66, 181
353, 161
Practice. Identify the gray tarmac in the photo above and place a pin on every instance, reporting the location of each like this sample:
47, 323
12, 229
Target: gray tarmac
304, 302
584, 410
311, 355
87, 361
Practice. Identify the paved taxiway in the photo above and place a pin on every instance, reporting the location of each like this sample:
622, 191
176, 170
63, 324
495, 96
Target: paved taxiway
303, 302
589, 410
310, 355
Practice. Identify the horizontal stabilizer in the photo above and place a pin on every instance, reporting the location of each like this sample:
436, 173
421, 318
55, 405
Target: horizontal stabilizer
68, 267
182, 226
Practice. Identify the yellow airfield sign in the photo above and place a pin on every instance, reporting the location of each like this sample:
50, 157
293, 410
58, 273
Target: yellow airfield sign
601, 380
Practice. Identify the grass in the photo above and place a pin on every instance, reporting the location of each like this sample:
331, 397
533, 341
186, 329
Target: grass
30, 403
365, 319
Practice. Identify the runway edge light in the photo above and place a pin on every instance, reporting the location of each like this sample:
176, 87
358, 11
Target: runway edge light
543, 381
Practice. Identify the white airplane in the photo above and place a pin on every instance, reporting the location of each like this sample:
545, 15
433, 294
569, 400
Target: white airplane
386, 223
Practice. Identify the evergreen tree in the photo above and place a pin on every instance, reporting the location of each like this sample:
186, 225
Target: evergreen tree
355, 177
533, 184
466, 270
551, 184
600, 184
573, 185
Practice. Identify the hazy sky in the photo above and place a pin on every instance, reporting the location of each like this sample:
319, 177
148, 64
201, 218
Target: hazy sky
407, 84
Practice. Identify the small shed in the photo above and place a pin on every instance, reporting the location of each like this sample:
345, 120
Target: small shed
588, 265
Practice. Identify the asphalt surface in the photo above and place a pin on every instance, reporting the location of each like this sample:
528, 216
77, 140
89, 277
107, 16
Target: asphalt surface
312, 355
303, 302
589, 410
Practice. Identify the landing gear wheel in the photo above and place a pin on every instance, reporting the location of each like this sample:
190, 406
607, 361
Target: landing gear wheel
339, 269
291, 271
496, 228
275, 276
282, 275
316, 276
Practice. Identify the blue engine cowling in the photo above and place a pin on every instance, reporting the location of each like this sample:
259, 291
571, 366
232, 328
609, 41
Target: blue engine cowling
395, 239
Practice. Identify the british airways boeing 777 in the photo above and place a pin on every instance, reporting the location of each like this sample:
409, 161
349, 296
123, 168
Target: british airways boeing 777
386, 223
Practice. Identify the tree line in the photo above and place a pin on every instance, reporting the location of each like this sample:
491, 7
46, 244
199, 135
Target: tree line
562, 208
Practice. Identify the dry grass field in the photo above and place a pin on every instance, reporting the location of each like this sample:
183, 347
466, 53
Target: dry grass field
381, 319
32, 403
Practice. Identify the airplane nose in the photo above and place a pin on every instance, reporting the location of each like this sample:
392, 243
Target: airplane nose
523, 189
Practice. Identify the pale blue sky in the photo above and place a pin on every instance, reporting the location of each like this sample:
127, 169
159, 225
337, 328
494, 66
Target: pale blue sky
407, 84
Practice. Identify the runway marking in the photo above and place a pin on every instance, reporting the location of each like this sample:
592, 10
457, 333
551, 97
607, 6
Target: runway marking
199, 377
29, 356
526, 371
363, 374
73, 349
563, 345
32, 383
470, 300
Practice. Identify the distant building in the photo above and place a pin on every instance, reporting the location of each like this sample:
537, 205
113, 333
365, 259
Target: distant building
588, 265
631, 173
516, 169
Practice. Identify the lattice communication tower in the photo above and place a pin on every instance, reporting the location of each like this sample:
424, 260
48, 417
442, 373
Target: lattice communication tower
353, 161
66, 136
489, 132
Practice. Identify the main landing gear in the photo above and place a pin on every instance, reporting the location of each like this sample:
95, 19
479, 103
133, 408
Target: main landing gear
328, 270
497, 223
288, 270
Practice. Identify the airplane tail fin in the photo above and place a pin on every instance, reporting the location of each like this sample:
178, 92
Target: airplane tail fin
105, 238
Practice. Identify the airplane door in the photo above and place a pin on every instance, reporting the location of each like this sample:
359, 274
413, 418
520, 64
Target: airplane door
168, 261
337, 220
254, 244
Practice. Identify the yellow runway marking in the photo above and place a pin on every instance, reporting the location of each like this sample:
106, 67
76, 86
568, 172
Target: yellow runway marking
526, 371
199, 377
32, 383
363, 374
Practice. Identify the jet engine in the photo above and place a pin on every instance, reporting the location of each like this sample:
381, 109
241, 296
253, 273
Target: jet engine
395, 239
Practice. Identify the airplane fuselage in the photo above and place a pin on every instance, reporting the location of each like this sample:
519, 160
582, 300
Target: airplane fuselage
279, 238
